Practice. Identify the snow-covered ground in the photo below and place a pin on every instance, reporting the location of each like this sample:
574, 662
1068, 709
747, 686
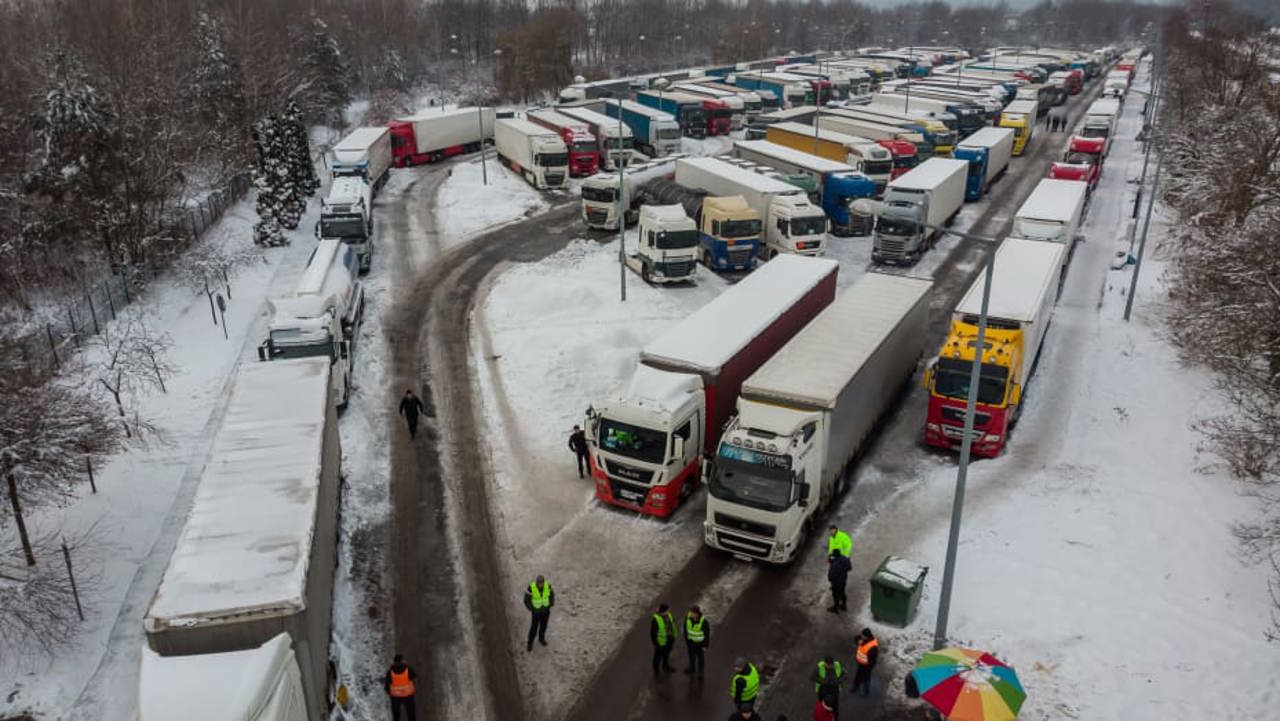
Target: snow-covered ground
143, 492
468, 207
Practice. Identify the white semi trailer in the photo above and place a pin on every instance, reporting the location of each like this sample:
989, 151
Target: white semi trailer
792, 224
930, 194
1053, 213
802, 417
366, 153
239, 626
538, 154
346, 214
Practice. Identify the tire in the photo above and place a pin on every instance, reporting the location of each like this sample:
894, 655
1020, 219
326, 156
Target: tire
644, 275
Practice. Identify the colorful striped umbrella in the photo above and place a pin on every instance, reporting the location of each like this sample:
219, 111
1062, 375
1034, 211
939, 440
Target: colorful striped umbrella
968, 685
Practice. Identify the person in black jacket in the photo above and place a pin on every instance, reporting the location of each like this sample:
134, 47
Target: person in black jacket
745, 712
411, 408
866, 655
662, 633
398, 683
578, 444
838, 568
697, 639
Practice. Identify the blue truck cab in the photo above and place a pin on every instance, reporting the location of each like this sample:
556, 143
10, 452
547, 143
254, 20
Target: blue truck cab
976, 179
839, 190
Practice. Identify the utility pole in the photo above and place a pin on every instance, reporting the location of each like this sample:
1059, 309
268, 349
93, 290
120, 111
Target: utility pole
622, 216
484, 172
1158, 139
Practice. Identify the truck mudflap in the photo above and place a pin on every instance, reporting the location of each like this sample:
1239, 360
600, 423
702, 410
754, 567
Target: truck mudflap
660, 501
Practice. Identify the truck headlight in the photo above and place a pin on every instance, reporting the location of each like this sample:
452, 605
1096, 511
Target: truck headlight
932, 426
991, 437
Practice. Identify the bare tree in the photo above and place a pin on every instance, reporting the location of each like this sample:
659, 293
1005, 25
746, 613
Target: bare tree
213, 263
38, 606
128, 357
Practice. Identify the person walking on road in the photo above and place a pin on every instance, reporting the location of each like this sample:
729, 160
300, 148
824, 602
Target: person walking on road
867, 654
697, 639
539, 598
838, 568
745, 684
578, 444
838, 542
662, 632
747, 712
411, 408
824, 710
828, 678
398, 684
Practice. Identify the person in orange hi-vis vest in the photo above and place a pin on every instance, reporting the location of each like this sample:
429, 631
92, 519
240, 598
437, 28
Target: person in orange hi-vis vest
399, 685
867, 653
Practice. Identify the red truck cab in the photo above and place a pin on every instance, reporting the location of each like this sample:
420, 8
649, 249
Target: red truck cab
1084, 167
404, 147
1095, 146
719, 117
904, 156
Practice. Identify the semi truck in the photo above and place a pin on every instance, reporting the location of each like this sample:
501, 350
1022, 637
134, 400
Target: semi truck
791, 90
1084, 167
1020, 116
897, 139
584, 152
689, 110
615, 141
839, 184
346, 214
322, 317
648, 439
1098, 127
1052, 213
666, 245
987, 153
239, 625
969, 117
791, 223
365, 153
752, 102
733, 116
432, 137
931, 194
656, 133
803, 416
1024, 290
869, 158
937, 134
729, 230
536, 153
600, 192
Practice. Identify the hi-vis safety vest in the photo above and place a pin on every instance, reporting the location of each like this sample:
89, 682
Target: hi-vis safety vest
750, 689
864, 649
840, 542
666, 628
401, 684
822, 674
693, 631
540, 599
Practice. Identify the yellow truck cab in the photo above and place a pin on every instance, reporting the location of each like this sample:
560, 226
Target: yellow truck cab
1020, 115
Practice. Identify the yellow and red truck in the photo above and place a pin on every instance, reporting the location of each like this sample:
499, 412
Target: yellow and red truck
1024, 290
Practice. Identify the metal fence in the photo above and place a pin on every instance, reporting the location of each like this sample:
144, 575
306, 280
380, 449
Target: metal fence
44, 347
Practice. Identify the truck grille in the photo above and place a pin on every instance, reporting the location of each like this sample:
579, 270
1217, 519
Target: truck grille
628, 493
676, 269
955, 415
555, 179
742, 524
890, 246
740, 257
740, 544
631, 474
597, 216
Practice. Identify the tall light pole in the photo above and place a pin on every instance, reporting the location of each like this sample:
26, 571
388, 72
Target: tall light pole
622, 214
484, 150
1151, 200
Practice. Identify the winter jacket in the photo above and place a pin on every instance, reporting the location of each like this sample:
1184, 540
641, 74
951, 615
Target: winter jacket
386, 680
410, 407
838, 569
551, 599
822, 713
578, 442
737, 716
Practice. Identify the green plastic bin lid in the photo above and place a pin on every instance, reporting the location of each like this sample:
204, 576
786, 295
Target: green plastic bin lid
900, 573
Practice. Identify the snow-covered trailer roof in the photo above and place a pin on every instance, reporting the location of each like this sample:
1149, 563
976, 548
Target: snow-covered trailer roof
816, 365
1025, 271
735, 175
988, 137
1054, 199
716, 332
591, 117
245, 548
930, 174
666, 213
632, 106
815, 163
219, 686
353, 147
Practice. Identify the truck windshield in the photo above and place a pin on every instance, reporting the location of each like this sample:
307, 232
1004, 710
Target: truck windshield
295, 344
904, 161
752, 484
553, 160
739, 228
877, 167
976, 167
895, 226
669, 134
584, 146
721, 113
620, 143
809, 225
598, 195
641, 444
342, 226
752, 106
951, 379
1088, 132
677, 239
693, 116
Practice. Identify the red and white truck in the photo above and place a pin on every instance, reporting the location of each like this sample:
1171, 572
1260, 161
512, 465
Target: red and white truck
648, 440
433, 136
584, 154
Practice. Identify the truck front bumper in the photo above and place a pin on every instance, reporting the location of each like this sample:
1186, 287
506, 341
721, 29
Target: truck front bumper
945, 435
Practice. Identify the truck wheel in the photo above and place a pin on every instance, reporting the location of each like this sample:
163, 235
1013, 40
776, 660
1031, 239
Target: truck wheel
644, 275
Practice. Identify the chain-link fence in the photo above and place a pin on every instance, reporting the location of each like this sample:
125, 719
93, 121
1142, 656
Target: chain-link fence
46, 346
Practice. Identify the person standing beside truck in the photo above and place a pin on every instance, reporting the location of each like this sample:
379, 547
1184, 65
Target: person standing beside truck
697, 638
399, 687
578, 444
539, 598
662, 633
411, 408
838, 568
838, 542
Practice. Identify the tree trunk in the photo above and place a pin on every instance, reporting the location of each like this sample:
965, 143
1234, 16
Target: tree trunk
22, 524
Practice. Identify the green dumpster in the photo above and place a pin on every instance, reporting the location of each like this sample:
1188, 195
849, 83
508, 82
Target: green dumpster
895, 590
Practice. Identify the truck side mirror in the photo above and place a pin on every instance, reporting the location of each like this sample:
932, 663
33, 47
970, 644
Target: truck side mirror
928, 372
317, 230
345, 349
1015, 394
262, 352
677, 449
803, 490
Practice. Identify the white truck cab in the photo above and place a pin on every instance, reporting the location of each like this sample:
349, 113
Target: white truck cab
667, 245
346, 214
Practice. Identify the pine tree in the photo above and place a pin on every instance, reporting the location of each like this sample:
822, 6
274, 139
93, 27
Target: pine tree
217, 90
301, 167
75, 127
328, 71
393, 75
275, 204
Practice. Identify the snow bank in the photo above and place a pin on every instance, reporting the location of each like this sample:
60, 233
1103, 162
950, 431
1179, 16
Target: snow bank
467, 207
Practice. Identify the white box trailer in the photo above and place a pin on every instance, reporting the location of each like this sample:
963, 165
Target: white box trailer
255, 558
803, 416
988, 152
538, 154
365, 152
1052, 213
615, 139
792, 224
436, 132
930, 193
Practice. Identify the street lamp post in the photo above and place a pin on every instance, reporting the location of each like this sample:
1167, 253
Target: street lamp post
484, 150
1155, 99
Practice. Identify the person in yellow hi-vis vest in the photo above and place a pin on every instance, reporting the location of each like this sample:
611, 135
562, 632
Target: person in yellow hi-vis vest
662, 632
539, 598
